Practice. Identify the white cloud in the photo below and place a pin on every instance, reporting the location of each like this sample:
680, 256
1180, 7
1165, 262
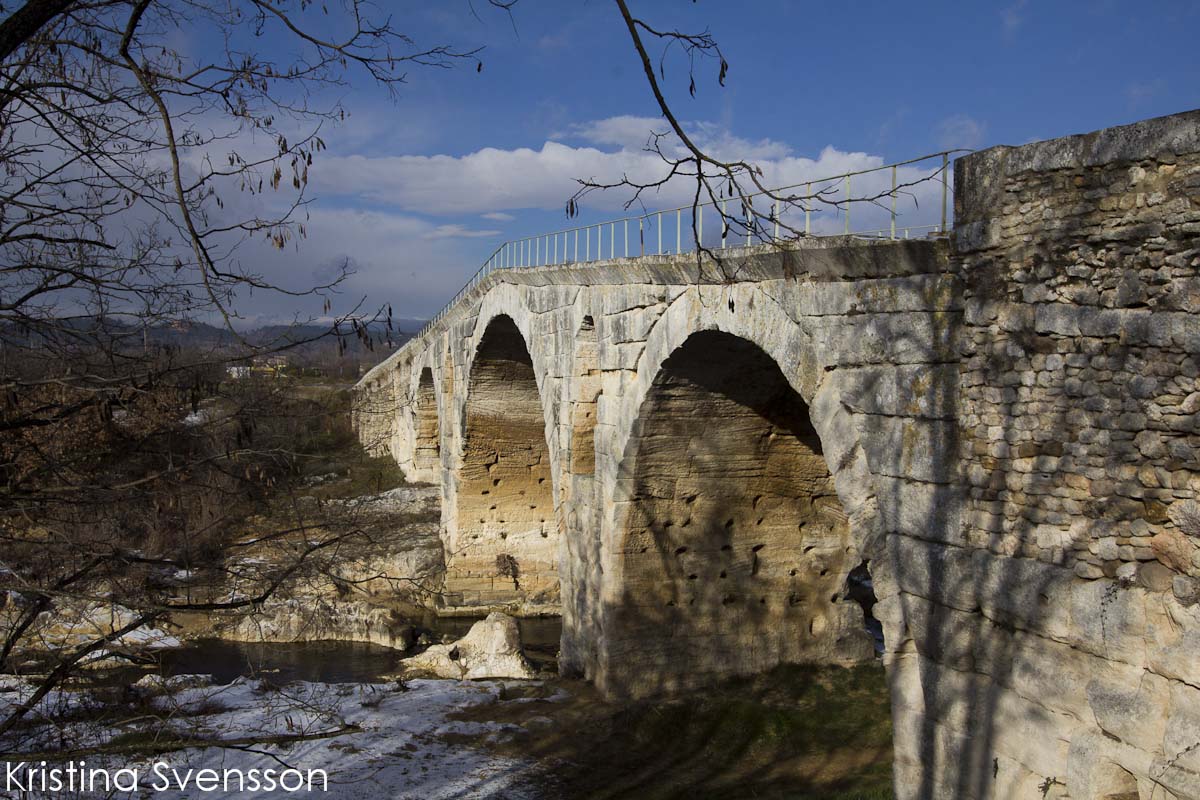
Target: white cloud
554, 41
625, 131
396, 258
961, 130
636, 133
456, 231
1138, 94
1013, 17
380, 214
492, 181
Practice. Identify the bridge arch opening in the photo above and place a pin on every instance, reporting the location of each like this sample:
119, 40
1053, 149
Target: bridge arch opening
505, 552
427, 447
735, 552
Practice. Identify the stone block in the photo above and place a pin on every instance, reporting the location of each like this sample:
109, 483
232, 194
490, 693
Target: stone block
1173, 549
1155, 577
928, 391
916, 449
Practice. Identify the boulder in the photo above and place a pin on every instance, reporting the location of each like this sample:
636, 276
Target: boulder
1173, 549
491, 649
1186, 516
157, 684
1155, 577
1185, 589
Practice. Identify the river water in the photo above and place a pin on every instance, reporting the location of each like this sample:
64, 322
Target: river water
338, 662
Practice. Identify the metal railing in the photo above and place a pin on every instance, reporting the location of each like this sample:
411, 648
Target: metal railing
830, 196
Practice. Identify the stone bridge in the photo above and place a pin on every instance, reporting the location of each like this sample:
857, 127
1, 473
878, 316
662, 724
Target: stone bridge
996, 431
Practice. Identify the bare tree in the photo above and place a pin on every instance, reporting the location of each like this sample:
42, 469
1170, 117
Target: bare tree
760, 211
134, 172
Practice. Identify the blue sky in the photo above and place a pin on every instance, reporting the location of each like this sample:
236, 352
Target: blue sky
416, 191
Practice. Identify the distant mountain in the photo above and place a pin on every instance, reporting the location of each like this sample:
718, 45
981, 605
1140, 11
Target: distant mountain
305, 344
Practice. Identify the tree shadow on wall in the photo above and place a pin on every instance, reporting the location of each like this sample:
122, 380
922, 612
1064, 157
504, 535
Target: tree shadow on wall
985, 570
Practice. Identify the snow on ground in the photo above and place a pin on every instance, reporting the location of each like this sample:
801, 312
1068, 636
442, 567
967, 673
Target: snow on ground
400, 498
71, 624
405, 745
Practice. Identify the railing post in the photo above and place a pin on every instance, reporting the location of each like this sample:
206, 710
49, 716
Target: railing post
808, 201
847, 205
945, 189
641, 236
587, 244
700, 226
678, 231
749, 211
659, 223
724, 222
627, 237
776, 213
577, 244
612, 240
893, 201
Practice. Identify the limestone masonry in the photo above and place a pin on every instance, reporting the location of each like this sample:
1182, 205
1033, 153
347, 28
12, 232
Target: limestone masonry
1001, 429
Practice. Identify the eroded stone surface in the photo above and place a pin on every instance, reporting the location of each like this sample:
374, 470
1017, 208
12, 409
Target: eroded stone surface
505, 547
736, 548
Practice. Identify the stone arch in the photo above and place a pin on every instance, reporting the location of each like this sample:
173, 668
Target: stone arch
790, 346
505, 547
736, 550
508, 300
427, 447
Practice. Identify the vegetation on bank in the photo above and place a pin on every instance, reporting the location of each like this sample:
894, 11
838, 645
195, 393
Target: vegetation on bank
795, 733
118, 520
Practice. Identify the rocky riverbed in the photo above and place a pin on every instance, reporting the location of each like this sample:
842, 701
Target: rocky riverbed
376, 591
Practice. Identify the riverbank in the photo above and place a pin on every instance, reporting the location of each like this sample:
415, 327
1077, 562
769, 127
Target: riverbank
798, 733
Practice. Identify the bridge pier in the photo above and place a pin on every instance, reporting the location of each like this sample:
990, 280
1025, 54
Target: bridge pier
1002, 426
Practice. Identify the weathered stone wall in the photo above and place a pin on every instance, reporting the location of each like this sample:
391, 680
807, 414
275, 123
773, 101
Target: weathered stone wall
374, 413
839, 319
1057, 641
504, 549
1009, 431
736, 548
427, 443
